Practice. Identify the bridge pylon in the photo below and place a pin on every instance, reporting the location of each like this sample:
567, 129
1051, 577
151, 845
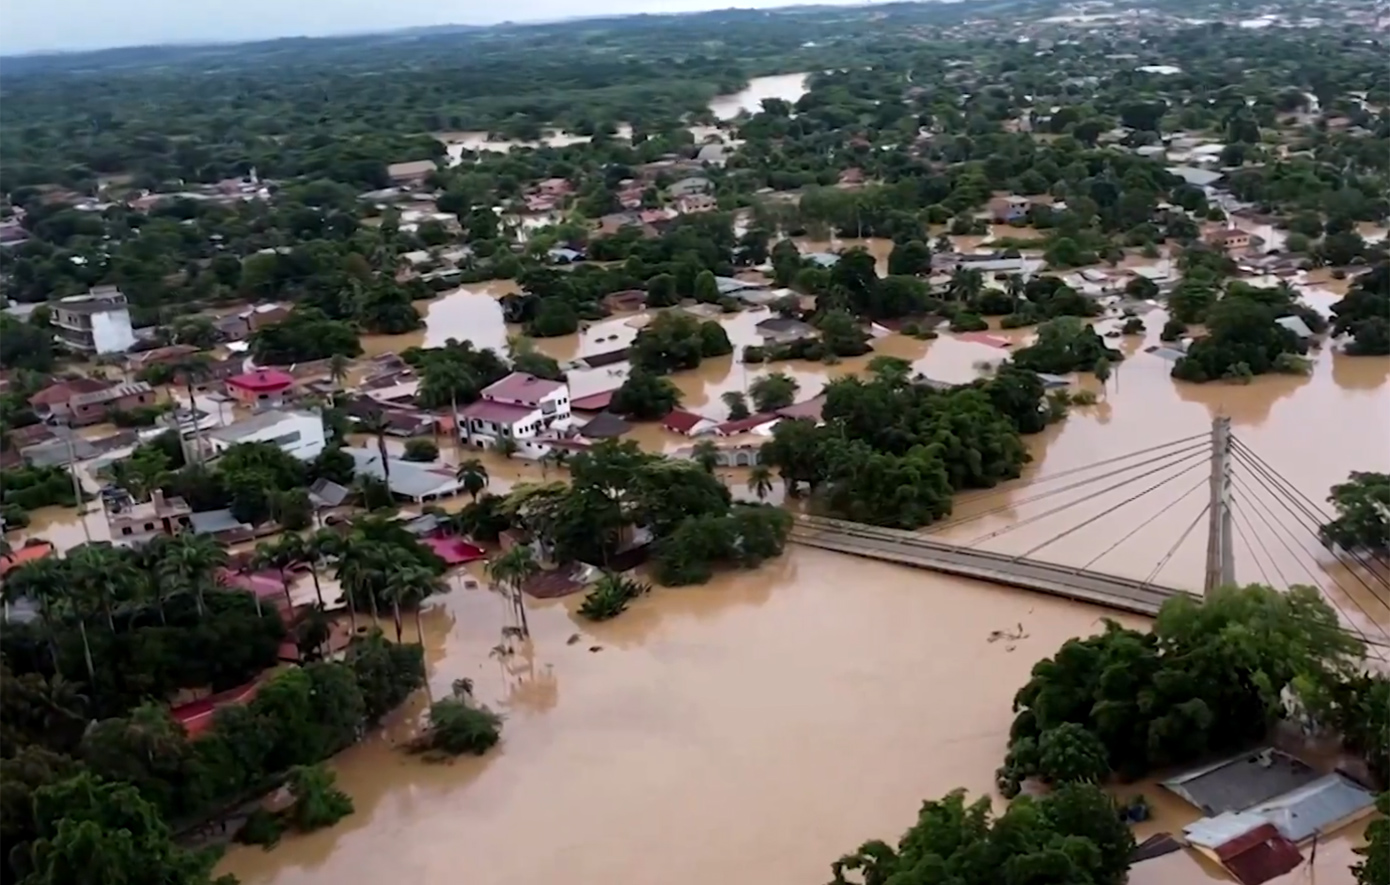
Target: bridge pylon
1221, 557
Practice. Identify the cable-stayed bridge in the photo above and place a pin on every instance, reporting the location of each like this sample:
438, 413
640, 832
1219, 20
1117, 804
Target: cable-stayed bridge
1209, 484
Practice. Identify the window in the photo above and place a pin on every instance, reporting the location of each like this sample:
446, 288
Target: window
149, 526
126, 530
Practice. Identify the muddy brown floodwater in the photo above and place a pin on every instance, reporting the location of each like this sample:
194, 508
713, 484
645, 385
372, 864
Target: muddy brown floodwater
754, 729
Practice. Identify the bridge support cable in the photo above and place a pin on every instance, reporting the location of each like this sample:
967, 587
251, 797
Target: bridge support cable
1266, 516
1188, 457
1014, 505
1201, 514
1141, 526
1111, 509
1292, 499
1040, 480
1240, 520
1283, 498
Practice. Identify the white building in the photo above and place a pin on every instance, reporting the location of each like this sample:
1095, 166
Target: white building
519, 407
298, 433
98, 322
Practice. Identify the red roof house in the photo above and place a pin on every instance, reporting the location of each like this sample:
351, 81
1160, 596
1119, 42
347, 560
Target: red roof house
262, 387
744, 425
594, 402
687, 423
31, 552
1259, 855
522, 389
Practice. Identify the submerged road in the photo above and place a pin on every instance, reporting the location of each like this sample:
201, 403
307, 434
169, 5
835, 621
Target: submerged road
911, 548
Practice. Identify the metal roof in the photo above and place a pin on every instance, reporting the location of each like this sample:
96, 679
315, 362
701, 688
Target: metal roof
1241, 782
211, 522
408, 479
1259, 855
1295, 325
1313, 808
258, 422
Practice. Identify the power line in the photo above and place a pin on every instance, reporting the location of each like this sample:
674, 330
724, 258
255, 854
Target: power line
1013, 505
1110, 510
1134, 531
1056, 510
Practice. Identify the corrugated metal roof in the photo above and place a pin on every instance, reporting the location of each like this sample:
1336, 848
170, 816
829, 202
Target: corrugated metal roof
1259, 855
1312, 809
1210, 832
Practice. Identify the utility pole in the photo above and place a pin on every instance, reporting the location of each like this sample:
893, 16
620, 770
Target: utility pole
1221, 565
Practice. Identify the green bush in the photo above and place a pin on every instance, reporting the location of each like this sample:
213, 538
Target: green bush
610, 597
421, 450
261, 828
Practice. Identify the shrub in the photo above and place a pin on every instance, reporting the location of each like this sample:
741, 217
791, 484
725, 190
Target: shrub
421, 450
610, 597
1133, 326
458, 726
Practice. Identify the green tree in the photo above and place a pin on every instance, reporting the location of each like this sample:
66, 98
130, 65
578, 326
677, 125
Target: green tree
645, 396
737, 404
92, 831
760, 481
773, 392
1362, 504
457, 725
706, 288
472, 475
1374, 869
318, 803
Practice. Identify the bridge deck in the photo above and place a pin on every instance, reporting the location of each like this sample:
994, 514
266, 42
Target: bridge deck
911, 548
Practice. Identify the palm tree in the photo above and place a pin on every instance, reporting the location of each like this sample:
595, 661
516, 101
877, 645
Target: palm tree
99, 569
192, 562
376, 425
360, 569
42, 582
760, 481
280, 556
513, 570
965, 284
337, 373
1015, 290
472, 475
325, 543
409, 585
706, 454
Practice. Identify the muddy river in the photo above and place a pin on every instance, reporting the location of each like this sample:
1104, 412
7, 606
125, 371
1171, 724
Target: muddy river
788, 87
754, 729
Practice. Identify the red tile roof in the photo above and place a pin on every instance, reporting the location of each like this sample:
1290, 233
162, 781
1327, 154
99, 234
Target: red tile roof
810, 408
594, 402
743, 425
678, 421
1259, 855
488, 410
27, 553
196, 717
985, 338
262, 381
522, 388
62, 391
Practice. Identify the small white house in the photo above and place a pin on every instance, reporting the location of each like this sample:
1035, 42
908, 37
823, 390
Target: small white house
298, 433
519, 407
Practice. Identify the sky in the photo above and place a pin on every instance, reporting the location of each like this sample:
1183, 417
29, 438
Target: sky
48, 25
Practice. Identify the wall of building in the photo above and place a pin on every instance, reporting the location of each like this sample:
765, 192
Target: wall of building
112, 332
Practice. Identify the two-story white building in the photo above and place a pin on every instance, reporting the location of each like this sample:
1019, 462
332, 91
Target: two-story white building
295, 432
519, 407
98, 322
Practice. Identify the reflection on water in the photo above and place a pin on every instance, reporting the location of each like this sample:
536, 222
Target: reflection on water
468, 313
788, 87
